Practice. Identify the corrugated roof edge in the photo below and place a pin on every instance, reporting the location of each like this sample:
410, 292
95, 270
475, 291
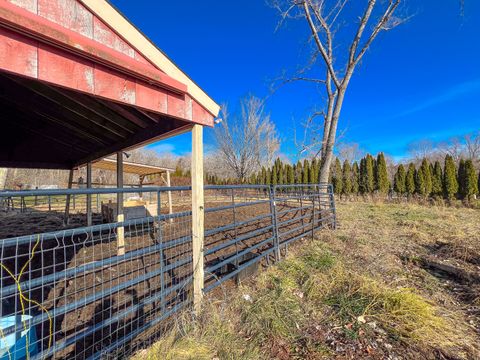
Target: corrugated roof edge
101, 9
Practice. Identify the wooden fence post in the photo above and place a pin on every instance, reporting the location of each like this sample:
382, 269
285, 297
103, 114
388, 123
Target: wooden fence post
120, 216
198, 214
169, 194
89, 196
67, 200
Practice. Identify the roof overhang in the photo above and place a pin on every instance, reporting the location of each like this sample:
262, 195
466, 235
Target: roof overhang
130, 167
34, 46
73, 89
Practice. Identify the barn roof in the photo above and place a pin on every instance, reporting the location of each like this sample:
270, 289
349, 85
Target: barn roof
131, 167
78, 82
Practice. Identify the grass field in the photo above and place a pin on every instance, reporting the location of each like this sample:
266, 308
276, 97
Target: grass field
394, 281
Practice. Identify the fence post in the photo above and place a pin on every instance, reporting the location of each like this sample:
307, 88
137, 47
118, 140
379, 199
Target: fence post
198, 213
89, 196
301, 206
235, 226
332, 206
313, 215
67, 200
162, 256
120, 216
273, 211
169, 195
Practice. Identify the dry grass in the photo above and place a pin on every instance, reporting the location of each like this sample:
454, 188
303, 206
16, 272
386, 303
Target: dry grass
357, 292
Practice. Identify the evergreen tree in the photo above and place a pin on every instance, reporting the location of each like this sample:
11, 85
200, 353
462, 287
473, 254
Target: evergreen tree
279, 169
410, 180
347, 178
355, 178
461, 178
330, 174
427, 176
281, 180
306, 171
470, 180
369, 172
298, 173
268, 177
337, 177
420, 183
437, 186
178, 171
450, 184
478, 183
290, 175
381, 174
399, 182
363, 176
274, 175
313, 174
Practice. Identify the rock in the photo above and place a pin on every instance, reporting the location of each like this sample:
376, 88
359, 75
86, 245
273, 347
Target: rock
248, 298
361, 319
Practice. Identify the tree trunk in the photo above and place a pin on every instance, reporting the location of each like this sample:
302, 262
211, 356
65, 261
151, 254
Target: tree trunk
328, 155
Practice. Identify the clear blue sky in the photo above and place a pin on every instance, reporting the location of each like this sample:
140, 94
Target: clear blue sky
421, 80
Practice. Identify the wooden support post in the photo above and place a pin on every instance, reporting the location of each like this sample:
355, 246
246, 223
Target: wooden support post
169, 195
3, 178
197, 216
142, 178
120, 216
89, 196
67, 200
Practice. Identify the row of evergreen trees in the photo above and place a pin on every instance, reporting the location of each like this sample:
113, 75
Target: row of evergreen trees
371, 176
433, 180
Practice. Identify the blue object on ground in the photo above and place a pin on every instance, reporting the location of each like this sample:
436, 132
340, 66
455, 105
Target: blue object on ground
13, 345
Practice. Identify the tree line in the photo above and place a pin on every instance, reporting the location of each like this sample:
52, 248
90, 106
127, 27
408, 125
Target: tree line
450, 180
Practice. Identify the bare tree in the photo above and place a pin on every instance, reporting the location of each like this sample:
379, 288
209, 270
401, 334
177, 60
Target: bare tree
472, 146
247, 141
337, 62
452, 147
349, 151
420, 149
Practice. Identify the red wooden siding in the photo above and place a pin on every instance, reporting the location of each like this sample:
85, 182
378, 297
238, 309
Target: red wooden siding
86, 55
25, 60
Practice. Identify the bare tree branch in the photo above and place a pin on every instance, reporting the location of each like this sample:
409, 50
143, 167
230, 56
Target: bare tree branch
320, 15
248, 141
326, 57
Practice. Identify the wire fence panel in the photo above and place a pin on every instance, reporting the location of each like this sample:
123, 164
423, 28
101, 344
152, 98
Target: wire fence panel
303, 209
103, 291
239, 232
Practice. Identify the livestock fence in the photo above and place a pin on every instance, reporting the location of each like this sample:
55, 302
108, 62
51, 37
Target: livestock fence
104, 291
